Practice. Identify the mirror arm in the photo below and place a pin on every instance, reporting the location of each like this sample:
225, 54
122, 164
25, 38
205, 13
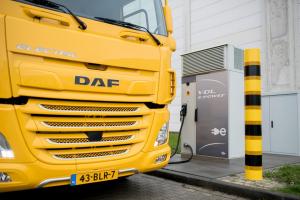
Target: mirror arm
168, 17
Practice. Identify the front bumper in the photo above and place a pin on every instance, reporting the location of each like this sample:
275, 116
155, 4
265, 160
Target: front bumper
28, 169
34, 175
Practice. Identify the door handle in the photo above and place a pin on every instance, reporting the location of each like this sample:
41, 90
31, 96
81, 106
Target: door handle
196, 115
37, 14
272, 124
134, 35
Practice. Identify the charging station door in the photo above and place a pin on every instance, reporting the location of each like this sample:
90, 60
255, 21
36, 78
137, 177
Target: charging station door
212, 120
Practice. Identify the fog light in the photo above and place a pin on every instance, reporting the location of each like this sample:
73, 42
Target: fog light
160, 159
4, 177
162, 136
5, 150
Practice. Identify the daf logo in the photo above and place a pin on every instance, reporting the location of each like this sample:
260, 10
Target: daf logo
96, 82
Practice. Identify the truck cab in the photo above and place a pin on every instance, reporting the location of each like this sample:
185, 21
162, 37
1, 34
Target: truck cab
84, 92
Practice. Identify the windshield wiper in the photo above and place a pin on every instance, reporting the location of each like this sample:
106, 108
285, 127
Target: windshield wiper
128, 25
61, 7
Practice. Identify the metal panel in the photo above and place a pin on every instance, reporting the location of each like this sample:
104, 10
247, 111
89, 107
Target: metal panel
204, 61
189, 126
238, 59
212, 124
266, 131
284, 134
236, 122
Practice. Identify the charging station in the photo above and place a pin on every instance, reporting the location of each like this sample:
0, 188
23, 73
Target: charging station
213, 91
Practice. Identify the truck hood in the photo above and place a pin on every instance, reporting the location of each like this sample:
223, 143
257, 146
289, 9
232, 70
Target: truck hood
50, 61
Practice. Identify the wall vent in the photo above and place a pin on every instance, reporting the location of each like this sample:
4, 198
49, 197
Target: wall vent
212, 59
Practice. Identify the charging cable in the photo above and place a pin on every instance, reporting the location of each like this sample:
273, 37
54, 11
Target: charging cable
183, 112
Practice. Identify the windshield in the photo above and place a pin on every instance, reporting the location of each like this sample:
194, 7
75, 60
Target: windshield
145, 13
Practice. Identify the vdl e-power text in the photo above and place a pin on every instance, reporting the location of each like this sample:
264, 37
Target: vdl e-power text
84, 90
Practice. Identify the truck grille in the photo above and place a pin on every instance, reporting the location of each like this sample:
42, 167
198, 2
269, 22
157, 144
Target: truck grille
87, 108
87, 124
58, 131
90, 155
86, 140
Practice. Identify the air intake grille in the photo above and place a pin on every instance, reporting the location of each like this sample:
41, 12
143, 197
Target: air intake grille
88, 124
68, 132
90, 155
88, 108
86, 140
204, 61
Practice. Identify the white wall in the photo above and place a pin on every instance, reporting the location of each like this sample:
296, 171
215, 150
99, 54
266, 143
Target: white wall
215, 22
297, 40
240, 23
271, 25
177, 7
200, 24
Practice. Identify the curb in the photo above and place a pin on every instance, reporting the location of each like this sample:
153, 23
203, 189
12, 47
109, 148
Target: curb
221, 186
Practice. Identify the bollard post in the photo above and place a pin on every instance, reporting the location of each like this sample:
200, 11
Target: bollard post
253, 115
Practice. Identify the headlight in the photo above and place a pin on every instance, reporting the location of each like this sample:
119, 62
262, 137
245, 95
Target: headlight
162, 135
5, 150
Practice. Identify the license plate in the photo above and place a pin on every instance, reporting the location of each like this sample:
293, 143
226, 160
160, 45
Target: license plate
93, 177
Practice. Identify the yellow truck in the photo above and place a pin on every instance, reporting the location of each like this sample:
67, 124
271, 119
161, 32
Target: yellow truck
84, 91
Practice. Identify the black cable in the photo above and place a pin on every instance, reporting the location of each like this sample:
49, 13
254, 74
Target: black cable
187, 160
178, 139
182, 115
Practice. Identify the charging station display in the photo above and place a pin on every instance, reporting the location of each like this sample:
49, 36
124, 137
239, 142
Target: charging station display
212, 115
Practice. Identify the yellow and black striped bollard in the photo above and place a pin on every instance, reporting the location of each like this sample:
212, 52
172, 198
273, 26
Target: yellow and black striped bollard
253, 118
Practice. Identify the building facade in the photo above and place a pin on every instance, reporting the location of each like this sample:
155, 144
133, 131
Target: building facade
271, 25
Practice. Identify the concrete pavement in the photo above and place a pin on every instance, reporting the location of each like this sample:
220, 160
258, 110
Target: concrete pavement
213, 168
209, 173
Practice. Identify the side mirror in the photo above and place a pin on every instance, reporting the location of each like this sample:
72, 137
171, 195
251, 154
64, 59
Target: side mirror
168, 16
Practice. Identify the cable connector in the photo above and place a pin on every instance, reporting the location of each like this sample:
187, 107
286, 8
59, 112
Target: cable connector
185, 145
183, 110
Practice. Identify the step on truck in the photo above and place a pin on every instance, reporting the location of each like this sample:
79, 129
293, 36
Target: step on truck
84, 91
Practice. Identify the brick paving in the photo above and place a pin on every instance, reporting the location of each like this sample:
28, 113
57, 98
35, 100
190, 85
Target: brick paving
136, 187
266, 183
